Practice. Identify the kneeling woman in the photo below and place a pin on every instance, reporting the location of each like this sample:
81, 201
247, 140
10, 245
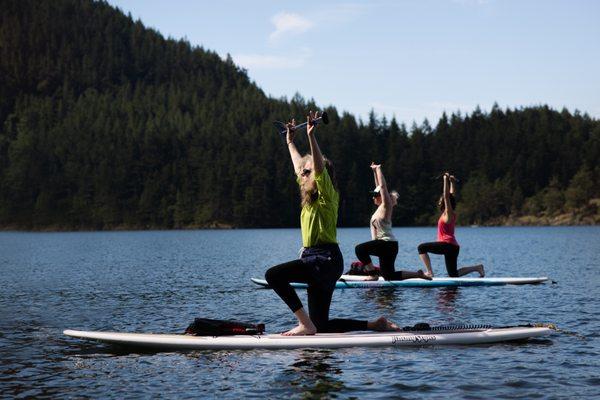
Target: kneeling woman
446, 241
321, 262
383, 244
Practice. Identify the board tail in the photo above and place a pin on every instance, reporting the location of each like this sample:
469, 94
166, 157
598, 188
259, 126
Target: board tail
423, 326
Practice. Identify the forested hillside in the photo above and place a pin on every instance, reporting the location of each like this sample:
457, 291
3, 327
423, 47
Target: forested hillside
106, 124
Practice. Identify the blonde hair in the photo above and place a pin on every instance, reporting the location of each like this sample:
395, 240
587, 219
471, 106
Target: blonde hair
308, 189
309, 195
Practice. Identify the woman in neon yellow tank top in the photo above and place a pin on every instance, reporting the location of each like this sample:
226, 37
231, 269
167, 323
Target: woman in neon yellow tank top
321, 262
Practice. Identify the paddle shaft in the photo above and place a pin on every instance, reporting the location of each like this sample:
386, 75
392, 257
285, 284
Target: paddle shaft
283, 130
302, 125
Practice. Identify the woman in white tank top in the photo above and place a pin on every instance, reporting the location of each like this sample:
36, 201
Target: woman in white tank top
383, 243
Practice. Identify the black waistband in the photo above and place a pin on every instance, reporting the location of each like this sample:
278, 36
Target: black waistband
324, 246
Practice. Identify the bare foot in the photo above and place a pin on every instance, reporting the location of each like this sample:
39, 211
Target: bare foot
382, 324
372, 278
301, 330
427, 274
423, 275
480, 270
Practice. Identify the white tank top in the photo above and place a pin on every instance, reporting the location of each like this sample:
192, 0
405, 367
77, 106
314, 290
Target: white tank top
383, 228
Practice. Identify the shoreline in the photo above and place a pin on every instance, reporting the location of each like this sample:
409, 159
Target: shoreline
567, 219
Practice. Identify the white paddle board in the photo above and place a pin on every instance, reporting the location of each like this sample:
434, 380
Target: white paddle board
359, 281
321, 340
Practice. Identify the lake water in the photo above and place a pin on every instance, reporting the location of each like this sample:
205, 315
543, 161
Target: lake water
159, 281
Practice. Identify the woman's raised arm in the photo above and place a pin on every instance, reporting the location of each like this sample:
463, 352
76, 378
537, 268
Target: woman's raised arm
294, 153
315, 151
448, 210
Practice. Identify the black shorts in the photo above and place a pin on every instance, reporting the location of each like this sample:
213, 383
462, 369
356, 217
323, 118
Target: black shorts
450, 252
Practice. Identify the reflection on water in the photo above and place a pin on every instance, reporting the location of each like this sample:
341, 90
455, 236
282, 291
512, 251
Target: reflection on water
446, 299
386, 299
314, 374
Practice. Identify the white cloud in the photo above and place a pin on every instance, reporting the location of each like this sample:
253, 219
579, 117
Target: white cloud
288, 23
269, 61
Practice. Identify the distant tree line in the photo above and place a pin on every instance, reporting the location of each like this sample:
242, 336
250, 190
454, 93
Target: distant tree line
105, 124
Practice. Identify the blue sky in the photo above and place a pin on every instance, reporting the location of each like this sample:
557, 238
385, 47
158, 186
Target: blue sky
410, 59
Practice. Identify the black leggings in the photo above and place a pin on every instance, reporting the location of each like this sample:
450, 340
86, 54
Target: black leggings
450, 252
387, 251
319, 267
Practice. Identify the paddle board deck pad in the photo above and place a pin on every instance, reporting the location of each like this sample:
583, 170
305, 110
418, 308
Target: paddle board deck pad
432, 336
360, 281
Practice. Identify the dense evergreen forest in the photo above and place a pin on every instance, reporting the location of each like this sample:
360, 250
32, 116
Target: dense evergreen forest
105, 124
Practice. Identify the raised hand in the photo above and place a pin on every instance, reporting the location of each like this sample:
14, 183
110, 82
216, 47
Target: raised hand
289, 136
375, 166
310, 121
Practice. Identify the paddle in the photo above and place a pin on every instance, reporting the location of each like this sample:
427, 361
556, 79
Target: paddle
435, 178
282, 130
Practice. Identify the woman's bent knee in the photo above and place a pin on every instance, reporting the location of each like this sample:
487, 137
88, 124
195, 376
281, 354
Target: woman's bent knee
271, 275
359, 249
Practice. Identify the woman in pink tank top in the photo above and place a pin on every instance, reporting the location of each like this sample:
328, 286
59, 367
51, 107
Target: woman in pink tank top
446, 241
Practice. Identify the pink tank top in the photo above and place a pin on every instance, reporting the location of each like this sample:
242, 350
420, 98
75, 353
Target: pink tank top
445, 232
